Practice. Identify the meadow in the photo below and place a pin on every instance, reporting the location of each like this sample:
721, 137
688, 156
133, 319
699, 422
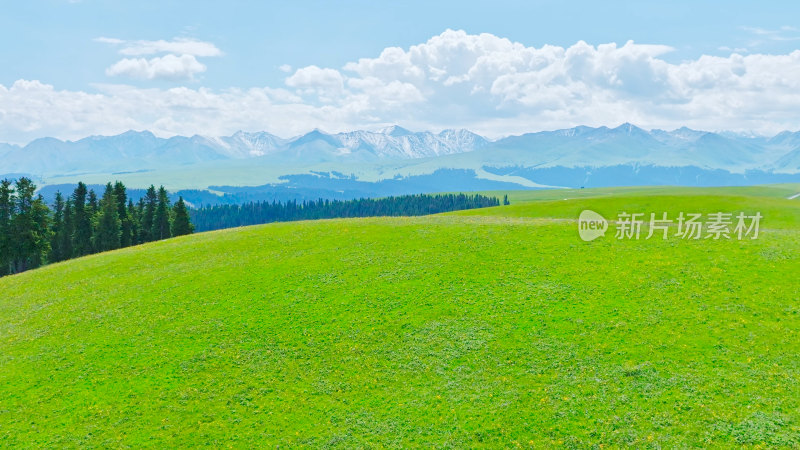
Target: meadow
490, 327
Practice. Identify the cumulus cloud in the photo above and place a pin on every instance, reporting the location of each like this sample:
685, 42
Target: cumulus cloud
312, 79
492, 84
168, 67
179, 63
487, 83
32, 109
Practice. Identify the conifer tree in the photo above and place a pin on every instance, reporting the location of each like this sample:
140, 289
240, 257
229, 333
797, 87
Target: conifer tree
92, 207
82, 234
92, 204
64, 241
6, 212
140, 208
57, 229
40, 233
181, 224
31, 234
30, 231
126, 230
148, 203
161, 219
107, 228
134, 221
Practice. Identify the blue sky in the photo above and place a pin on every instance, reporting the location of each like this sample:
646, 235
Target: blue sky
244, 45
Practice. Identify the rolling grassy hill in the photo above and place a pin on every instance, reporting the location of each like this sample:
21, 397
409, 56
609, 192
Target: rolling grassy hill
485, 327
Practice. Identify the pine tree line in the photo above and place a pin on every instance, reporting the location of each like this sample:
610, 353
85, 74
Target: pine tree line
228, 216
32, 234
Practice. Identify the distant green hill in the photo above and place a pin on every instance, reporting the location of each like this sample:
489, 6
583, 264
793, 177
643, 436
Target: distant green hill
493, 327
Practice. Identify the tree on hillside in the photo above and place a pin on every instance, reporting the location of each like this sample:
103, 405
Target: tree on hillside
31, 234
6, 211
92, 203
181, 224
148, 212
140, 208
134, 221
30, 231
224, 216
41, 227
161, 219
67, 229
82, 235
126, 227
107, 223
56, 228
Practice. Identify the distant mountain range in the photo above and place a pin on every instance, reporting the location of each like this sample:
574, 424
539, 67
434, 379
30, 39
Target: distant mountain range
580, 156
579, 146
136, 151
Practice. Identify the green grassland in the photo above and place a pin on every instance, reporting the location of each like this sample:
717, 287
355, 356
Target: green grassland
494, 327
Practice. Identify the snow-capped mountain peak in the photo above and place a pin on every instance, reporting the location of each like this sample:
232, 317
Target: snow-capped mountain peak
578, 146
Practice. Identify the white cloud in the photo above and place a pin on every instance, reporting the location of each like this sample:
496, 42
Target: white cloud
312, 77
181, 46
763, 36
740, 50
483, 82
31, 109
108, 40
179, 63
168, 67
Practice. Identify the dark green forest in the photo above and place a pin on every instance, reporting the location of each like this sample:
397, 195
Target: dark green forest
228, 216
33, 234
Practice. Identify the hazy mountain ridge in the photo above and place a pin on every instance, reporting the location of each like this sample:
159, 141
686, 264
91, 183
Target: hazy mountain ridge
628, 144
141, 150
581, 146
